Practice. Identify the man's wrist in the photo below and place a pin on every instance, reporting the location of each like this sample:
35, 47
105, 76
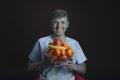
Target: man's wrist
75, 68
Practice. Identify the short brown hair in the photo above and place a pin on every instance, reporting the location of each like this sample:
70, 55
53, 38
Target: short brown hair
59, 13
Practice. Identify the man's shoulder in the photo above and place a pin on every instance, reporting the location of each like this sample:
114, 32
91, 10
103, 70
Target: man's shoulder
71, 39
45, 38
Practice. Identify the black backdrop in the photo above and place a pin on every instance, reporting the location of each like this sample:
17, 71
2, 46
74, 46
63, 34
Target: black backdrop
22, 22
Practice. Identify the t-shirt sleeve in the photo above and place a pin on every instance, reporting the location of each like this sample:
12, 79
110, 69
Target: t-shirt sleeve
35, 53
79, 54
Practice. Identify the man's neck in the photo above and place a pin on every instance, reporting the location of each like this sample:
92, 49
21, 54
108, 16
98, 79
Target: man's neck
63, 37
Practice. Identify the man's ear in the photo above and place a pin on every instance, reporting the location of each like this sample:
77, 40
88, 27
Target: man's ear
68, 24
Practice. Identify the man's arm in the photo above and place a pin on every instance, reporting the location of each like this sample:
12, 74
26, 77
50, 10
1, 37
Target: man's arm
36, 66
80, 68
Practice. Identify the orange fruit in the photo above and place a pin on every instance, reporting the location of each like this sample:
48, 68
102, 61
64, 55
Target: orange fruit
65, 44
69, 52
57, 52
50, 51
63, 58
54, 57
62, 52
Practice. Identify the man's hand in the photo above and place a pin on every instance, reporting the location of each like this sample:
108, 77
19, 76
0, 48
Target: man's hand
36, 66
80, 68
70, 65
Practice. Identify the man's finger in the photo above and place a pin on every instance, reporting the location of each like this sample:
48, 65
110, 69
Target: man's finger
70, 62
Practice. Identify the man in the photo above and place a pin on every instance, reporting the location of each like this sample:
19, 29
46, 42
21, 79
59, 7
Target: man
38, 60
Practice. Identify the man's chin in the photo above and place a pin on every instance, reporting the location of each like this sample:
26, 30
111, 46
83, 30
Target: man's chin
59, 34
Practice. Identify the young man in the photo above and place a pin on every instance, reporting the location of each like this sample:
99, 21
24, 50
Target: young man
37, 58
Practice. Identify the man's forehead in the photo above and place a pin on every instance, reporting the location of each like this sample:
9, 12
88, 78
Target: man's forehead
60, 18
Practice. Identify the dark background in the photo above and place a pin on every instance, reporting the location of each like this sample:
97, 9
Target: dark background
22, 22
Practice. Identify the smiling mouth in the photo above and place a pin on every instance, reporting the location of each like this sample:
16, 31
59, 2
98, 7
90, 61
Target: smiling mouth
59, 30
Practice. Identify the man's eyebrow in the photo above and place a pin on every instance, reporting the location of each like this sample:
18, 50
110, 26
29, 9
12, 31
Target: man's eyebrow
63, 21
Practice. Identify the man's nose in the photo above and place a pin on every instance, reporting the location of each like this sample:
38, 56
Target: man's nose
59, 25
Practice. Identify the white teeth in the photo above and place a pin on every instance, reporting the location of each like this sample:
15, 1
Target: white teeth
59, 30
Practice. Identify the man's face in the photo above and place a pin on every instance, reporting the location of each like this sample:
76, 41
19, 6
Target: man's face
59, 25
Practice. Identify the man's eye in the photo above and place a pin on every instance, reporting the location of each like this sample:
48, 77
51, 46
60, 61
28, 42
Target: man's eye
62, 22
